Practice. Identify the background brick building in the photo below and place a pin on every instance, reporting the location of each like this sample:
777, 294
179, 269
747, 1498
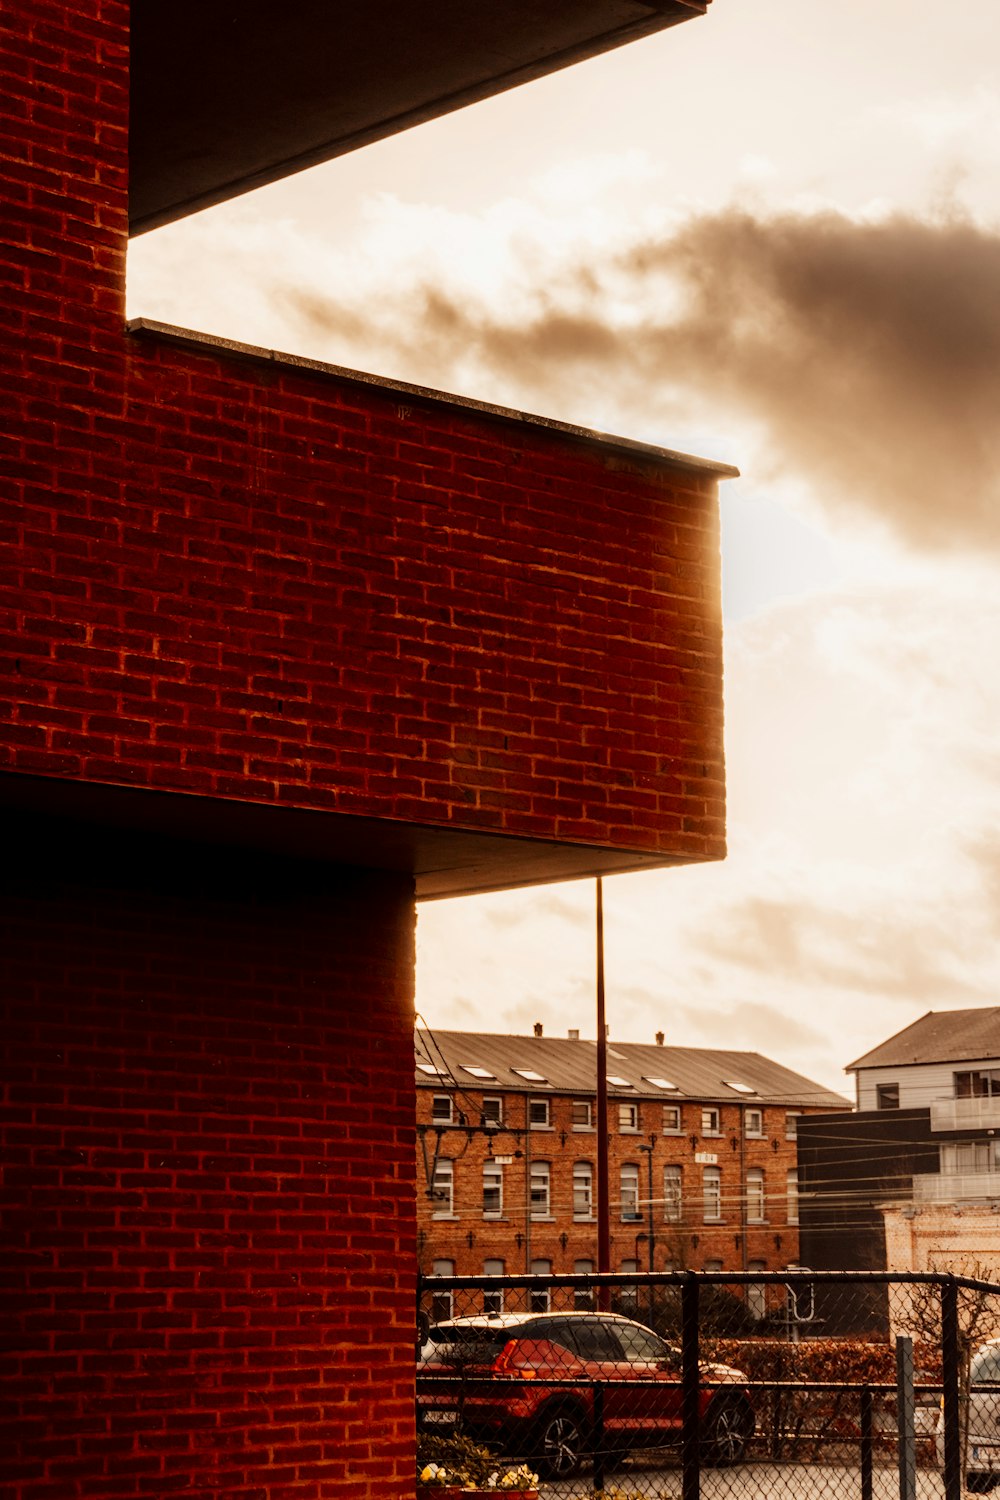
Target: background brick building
702, 1156
282, 647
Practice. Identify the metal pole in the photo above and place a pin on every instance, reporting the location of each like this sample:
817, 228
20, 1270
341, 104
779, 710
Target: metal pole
690, 1389
603, 1194
905, 1421
950, 1363
867, 1425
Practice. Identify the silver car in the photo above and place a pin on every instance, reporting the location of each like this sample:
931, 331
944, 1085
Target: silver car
982, 1455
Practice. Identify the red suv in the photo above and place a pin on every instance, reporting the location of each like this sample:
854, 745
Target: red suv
526, 1382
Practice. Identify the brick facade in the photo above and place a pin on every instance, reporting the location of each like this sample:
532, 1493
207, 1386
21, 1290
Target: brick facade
237, 585
750, 1144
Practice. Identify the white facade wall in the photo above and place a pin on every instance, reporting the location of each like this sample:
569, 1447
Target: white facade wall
920, 1084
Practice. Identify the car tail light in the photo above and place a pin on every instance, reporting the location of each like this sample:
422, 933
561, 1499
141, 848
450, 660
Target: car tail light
506, 1364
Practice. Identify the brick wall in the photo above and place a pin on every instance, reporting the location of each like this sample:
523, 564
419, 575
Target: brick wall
208, 1179
264, 581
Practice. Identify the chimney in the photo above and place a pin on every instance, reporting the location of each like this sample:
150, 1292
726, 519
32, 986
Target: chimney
538, 1028
659, 1038
573, 1035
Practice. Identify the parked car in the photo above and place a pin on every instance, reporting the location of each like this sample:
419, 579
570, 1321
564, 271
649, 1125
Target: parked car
982, 1453
525, 1382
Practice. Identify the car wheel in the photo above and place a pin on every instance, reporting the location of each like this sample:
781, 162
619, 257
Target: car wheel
561, 1444
727, 1431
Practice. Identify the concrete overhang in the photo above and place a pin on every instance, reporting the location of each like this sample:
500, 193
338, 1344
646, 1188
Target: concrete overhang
228, 95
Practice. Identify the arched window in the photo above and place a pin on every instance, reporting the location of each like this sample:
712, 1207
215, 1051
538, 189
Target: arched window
712, 1192
673, 1193
583, 1190
630, 1190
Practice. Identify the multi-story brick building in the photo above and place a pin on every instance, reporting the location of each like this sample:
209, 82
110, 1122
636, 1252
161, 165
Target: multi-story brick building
702, 1155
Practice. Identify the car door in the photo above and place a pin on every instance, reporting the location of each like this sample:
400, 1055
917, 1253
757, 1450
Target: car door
654, 1373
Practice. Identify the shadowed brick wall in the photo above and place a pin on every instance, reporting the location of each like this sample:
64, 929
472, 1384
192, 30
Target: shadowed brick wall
207, 1147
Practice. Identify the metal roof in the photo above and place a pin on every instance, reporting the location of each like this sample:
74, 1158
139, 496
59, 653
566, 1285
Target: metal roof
570, 1066
939, 1036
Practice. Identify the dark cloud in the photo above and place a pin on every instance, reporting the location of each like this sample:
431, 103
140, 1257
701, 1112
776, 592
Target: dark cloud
868, 354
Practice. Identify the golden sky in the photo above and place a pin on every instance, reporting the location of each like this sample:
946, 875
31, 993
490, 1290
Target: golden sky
771, 237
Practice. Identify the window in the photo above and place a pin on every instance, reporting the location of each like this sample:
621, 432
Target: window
711, 1182
493, 1296
442, 1302
662, 1083
630, 1190
672, 1194
443, 1194
540, 1189
539, 1295
792, 1125
582, 1299
628, 1117
538, 1114
755, 1196
792, 1192
969, 1156
583, 1114
477, 1072
492, 1111
442, 1109
671, 1119
583, 1190
982, 1083
738, 1087
530, 1075
754, 1123
710, 1122
492, 1190
712, 1265
887, 1096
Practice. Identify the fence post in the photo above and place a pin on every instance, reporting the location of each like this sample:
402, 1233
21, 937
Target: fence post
867, 1423
691, 1388
950, 1366
599, 1448
905, 1421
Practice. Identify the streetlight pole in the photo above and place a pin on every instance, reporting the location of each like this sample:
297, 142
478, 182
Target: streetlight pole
651, 1236
603, 1194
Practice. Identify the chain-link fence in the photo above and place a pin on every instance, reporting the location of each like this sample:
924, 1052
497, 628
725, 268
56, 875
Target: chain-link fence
671, 1386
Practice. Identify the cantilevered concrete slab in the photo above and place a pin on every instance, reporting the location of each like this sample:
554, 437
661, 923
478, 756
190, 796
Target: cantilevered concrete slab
230, 94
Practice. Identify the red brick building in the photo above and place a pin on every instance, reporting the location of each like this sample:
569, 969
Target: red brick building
282, 647
702, 1156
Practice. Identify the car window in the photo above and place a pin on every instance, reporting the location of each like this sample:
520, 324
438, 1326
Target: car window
985, 1368
470, 1345
596, 1339
641, 1343
553, 1331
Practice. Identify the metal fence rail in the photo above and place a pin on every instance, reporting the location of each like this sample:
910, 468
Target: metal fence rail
677, 1385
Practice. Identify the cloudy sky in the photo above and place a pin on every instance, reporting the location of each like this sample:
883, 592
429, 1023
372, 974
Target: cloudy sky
772, 237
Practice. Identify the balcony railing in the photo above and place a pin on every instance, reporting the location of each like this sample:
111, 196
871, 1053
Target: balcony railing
955, 1187
966, 1114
